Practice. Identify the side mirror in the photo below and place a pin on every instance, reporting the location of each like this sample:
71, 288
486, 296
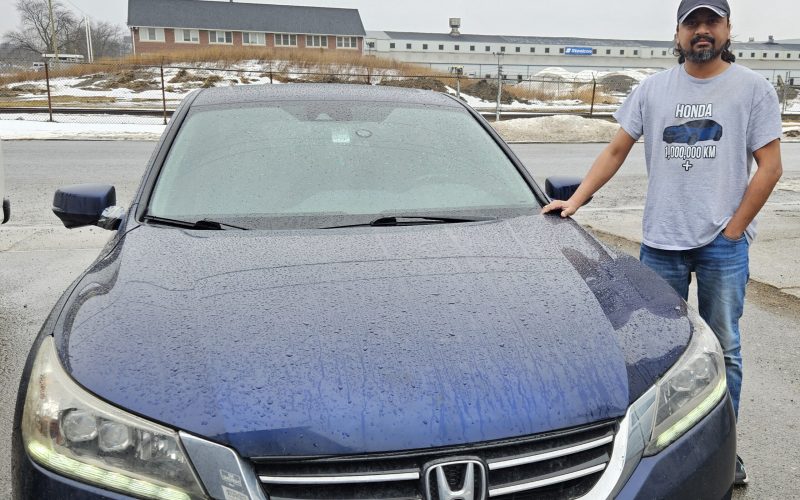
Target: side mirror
83, 204
561, 188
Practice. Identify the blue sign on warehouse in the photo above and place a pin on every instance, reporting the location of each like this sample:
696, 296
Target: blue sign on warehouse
578, 51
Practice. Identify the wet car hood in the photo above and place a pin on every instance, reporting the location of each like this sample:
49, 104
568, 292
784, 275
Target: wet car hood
370, 339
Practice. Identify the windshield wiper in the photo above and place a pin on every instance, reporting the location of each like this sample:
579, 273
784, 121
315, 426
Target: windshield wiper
203, 224
413, 220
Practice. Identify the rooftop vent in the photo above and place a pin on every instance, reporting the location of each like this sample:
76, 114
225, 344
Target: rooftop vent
455, 23
771, 39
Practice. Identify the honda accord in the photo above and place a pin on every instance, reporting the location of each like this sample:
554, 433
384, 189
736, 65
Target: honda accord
349, 292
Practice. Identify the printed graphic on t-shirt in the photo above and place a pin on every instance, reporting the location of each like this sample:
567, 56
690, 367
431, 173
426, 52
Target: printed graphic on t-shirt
700, 128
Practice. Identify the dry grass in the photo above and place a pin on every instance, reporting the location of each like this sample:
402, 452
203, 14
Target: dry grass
271, 60
60, 100
560, 91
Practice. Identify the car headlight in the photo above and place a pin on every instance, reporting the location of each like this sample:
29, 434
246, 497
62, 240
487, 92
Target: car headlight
69, 431
690, 389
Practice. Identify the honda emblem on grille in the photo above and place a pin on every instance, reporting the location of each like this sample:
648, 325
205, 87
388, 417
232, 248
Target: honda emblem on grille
463, 479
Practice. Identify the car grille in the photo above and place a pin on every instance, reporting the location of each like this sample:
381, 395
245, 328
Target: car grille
564, 464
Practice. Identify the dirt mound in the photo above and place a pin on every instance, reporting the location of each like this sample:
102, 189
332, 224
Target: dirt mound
617, 83
136, 80
184, 76
487, 91
416, 83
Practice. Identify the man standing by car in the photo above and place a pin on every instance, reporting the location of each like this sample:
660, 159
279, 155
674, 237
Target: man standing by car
701, 204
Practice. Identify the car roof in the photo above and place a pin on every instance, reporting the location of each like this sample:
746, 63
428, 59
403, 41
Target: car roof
320, 92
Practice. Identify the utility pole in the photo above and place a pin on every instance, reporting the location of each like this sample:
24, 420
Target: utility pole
53, 40
89, 46
499, 84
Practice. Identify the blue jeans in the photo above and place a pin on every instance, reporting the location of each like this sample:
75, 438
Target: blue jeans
722, 270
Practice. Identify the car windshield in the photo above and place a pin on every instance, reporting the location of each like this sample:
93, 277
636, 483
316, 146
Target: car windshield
303, 164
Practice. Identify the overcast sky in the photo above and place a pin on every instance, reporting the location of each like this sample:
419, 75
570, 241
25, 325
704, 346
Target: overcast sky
626, 19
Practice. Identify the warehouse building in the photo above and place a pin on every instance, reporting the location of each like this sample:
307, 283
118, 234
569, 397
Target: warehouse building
525, 56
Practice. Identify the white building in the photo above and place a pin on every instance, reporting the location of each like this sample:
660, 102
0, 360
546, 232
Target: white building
525, 56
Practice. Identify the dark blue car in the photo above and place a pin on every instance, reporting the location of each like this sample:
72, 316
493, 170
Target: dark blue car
693, 132
348, 292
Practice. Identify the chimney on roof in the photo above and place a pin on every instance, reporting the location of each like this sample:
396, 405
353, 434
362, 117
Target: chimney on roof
771, 39
455, 23
751, 39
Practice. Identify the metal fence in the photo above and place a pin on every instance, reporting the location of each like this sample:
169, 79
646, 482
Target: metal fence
147, 94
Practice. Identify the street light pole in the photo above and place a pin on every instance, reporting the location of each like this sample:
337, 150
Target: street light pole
499, 85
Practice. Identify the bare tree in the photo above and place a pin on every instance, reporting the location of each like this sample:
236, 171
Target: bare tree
34, 34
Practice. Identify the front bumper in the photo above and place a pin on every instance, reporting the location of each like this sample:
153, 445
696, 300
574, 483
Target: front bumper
700, 464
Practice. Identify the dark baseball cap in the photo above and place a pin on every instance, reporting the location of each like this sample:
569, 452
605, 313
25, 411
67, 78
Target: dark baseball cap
720, 7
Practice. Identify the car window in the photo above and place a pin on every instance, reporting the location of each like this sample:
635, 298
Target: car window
324, 158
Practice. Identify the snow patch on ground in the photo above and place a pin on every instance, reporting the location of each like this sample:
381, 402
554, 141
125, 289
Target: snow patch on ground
547, 129
28, 130
556, 129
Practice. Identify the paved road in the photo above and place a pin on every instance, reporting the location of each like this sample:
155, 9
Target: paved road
38, 258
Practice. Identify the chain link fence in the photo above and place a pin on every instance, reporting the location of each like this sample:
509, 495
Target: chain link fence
147, 94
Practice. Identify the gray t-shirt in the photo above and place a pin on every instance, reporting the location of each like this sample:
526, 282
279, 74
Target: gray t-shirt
699, 137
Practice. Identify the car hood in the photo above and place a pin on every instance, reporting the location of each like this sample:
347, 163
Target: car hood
370, 339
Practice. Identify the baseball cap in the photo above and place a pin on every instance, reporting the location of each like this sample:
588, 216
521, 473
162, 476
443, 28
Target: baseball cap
720, 7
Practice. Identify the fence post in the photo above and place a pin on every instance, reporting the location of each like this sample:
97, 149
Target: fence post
270, 72
594, 91
784, 97
47, 78
163, 92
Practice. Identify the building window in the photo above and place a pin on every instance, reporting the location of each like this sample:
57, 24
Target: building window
765, 55
346, 42
740, 54
561, 50
533, 50
502, 49
788, 55
752, 54
663, 52
608, 52
441, 47
223, 37
187, 36
252, 38
424, 46
636, 52
594, 52
152, 35
456, 47
285, 40
622, 52
777, 55
488, 49
408, 46
320, 41
517, 49
472, 48
391, 45
547, 50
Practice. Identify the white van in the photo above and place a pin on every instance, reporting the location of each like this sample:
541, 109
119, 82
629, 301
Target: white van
6, 204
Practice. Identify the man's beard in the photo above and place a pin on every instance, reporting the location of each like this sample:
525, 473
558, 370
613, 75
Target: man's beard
702, 55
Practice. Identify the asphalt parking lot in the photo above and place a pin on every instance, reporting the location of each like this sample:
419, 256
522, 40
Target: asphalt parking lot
38, 259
